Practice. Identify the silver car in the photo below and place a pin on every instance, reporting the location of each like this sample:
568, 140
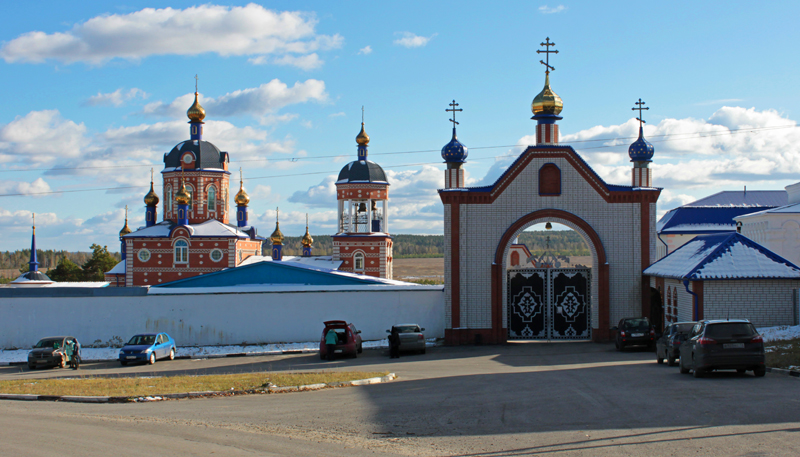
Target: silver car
411, 337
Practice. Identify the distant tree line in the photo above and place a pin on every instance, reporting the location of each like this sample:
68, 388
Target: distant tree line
71, 266
561, 242
47, 258
405, 246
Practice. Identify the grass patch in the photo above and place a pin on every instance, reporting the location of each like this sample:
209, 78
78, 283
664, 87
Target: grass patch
425, 281
783, 354
136, 387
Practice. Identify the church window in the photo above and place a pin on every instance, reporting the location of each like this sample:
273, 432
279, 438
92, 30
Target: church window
215, 255
190, 191
515, 258
181, 252
549, 180
144, 255
358, 262
168, 200
212, 198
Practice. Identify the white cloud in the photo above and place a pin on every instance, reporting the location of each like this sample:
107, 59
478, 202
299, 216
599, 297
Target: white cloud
116, 98
35, 188
251, 30
307, 62
339, 114
544, 9
410, 40
256, 101
41, 136
365, 50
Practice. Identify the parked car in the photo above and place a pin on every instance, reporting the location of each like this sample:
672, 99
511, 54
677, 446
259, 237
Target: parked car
349, 339
147, 347
411, 337
634, 331
669, 345
51, 352
731, 344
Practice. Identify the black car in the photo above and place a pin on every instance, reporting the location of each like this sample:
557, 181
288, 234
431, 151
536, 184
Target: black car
731, 344
668, 346
51, 352
634, 331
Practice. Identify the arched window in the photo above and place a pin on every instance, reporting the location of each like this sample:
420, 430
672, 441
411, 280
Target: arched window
190, 191
181, 252
514, 258
549, 180
358, 262
212, 198
168, 199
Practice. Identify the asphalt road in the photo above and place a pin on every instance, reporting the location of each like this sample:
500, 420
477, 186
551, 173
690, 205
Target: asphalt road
521, 399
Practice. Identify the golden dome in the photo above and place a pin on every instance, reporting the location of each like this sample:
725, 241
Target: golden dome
307, 241
241, 199
362, 137
547, 102
151, 199
183, 197
125, 230
277, 236
196, 112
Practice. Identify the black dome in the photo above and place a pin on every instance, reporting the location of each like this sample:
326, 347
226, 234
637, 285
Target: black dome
362, 171
208, 155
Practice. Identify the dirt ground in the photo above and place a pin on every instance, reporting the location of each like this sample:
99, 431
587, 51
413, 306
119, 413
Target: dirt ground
415, 269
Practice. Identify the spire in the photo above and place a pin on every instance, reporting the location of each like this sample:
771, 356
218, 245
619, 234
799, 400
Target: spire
641, 150
454, 151
33, 265
362, 139
547, 105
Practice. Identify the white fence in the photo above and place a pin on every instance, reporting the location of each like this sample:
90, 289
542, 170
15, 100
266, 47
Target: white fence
222, 317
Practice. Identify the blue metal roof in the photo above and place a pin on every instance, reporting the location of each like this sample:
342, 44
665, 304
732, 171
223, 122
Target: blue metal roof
269, 273
723, 256
743, 198
693, 220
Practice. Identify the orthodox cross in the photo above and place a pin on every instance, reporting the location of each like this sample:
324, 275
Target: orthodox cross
33, 215
306, 222
276, 215
453, 110
195, 83
241, 180
362, 114
126, 214
151, 176
547, 53
640, 106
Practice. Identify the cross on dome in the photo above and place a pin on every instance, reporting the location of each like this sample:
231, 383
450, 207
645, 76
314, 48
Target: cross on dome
547, 53
640, 106
453, 110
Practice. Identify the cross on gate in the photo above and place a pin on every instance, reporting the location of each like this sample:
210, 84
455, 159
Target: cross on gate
640, 106
547, 53
453, 110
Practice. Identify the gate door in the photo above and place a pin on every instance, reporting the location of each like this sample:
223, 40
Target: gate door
549, 304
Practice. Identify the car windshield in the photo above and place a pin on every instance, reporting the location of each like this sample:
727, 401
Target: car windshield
140, 340
49, 343
730, 330
407, 328
683, 328
641, 325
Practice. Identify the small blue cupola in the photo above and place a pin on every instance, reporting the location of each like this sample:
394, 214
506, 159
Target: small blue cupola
454, 151
641, 150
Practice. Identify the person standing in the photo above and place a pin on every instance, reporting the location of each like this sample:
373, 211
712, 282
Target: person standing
394, 344
330, 343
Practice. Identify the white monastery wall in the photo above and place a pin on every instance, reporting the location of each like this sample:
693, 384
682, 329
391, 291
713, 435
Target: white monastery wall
219, 318
764, 302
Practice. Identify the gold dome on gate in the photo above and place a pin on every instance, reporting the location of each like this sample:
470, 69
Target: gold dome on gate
277, 236
547, 102
241, 199
183, 197
151, 199
307, 241
362, 137
196, 112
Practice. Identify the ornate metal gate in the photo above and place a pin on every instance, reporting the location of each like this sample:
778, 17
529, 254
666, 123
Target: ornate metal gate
545, 303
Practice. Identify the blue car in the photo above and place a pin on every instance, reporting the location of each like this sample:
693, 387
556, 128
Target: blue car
147, 347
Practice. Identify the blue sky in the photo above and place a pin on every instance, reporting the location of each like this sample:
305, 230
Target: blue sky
94, 93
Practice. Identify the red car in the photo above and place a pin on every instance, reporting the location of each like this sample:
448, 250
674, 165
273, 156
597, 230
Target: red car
349, 339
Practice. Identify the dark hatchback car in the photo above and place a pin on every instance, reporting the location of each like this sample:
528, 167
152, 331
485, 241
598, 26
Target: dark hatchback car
731, 344
669, 345
634, 331
51, 352
348, 339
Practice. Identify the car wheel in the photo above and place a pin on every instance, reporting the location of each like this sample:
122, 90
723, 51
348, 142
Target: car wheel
31, 367
759, 372
123, 363
172, 354
152, 358
683, 369
670, 361
698, 373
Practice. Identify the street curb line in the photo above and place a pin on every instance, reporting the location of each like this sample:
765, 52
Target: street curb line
784, 372
210, 393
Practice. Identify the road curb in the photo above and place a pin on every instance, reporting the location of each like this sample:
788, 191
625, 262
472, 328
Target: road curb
226, 393
784, 372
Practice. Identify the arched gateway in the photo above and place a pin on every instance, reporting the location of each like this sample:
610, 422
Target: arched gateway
547, 183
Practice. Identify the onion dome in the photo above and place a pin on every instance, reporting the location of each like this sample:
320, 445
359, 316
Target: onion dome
277, 236
125, 230
183, 197
151, 199
641, 150
241, 199
307, 241
547, 102
362, 138
454, 151
196, 112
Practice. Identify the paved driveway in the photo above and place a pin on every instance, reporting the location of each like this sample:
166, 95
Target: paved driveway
518, 399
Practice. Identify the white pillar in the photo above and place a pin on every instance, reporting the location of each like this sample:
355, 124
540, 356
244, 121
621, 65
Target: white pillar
385, 225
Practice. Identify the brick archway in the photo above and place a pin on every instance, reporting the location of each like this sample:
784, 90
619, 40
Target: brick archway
601, 333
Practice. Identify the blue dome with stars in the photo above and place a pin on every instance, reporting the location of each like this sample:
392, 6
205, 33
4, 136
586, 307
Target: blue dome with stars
454, 151
641, 150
